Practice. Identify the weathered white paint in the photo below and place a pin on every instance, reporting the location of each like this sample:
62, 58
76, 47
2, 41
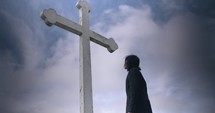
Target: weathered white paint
52, 18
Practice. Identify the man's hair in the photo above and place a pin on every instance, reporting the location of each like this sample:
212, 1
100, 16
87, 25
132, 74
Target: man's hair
132, 61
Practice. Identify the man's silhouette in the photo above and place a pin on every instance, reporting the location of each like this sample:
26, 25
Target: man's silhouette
136, 88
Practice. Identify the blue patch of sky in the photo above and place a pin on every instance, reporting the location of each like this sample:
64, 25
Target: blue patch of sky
99, 7
160, 13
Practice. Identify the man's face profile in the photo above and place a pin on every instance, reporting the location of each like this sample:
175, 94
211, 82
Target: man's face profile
125, 64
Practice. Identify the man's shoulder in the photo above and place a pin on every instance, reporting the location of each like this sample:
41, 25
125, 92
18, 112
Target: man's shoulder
134, 71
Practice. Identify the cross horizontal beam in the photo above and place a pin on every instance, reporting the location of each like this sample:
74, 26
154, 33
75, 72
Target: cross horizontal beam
52, 18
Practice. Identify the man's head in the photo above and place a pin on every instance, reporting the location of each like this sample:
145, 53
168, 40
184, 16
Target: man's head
131, 61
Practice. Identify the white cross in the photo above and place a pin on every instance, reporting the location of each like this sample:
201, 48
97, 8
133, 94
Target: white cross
86, 35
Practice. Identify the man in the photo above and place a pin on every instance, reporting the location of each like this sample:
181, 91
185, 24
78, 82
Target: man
136, 89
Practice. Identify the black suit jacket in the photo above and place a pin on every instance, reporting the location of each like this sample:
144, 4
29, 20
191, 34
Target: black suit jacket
136, 90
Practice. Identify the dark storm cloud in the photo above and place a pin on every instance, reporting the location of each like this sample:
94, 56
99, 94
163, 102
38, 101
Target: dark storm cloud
204, 8
12, 59
194, 74
202, 49
164, 10
10, 39
7, 40
20, 22
204, 42
22, 43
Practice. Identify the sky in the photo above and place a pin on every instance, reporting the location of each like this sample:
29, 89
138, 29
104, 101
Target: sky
39, 65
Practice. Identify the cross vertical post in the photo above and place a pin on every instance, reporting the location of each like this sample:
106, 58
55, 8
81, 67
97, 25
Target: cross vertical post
86, 98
